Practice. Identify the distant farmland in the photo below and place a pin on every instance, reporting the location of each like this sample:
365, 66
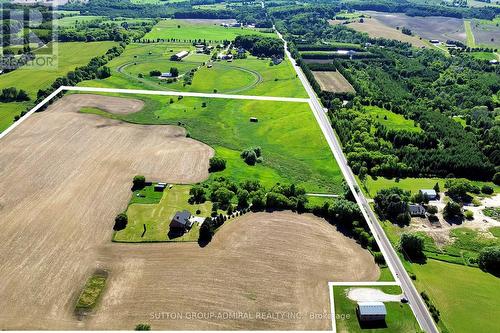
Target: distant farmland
431, 27
376, 29
333, 82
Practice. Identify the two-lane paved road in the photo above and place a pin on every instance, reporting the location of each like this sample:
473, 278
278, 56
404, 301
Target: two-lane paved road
418, 306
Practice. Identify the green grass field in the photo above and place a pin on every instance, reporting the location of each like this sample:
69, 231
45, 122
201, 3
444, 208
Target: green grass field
249, 76
7, 113
293, 148
70, 21
32, 79
471, 42
399, 317
157, 216
411, 184
90, 295
185, 30
467, 298
394, 121
484, 55
71, 55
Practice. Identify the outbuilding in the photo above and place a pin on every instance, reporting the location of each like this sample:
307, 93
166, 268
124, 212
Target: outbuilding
371, 311
160, 187
179, 56
431, 194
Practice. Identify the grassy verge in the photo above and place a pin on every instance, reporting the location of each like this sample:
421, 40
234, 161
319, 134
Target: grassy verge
91, 292
399, 317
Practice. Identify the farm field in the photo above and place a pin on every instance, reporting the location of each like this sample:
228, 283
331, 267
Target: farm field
302, 158
333, 82
399, 317
204, 29
411, 184
59, 208
431, 27
70, 21
391, 120
71, 55
486, 33
157, 217
249, 76
467, 298
263, 262
32, 79
376, 29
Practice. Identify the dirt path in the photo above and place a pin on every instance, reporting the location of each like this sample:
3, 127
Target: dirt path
64, 177
371, 295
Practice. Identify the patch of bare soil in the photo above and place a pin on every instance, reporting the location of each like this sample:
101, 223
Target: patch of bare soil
110, 104
271, 269
65, 176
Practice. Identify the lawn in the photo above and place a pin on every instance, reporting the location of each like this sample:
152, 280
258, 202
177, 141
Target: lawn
467, 298
90, 295
399, 317
293, 148
210, 30
249, 76
371, 186
157, 216
391, 120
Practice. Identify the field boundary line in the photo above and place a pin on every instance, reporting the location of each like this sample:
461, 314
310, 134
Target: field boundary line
185, 94
353, 284
30, 112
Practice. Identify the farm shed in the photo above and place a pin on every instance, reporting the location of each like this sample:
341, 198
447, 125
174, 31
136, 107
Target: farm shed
179, 56
431, 194
160, 187
254, 120
181, 220
371, 311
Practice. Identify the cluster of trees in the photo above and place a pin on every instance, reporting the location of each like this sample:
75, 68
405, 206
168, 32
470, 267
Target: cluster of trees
489, 260
94, 69
260, 46
252, 156
11, 94
216, 164
392, 204
103, 29
412, 246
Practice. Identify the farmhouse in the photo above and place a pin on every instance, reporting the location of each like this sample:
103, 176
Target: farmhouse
417, 210
179, 56
181, 221
431, 194
371, 311
165, 75
160, 187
